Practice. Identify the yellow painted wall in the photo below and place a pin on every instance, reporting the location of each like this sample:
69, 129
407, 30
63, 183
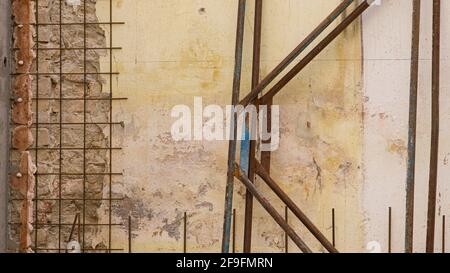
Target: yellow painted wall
173, 50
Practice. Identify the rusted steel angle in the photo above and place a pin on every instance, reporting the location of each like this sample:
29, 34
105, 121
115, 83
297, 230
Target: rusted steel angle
296, 52
251, 153
412, 128
232, 144
432, 187
316, 51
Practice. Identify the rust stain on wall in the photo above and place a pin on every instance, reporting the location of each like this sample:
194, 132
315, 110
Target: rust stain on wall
23, 181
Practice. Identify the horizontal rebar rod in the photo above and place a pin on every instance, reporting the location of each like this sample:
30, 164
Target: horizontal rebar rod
70, 149
77, 174
64, 73
85, 249
66, 224
79, 99
69, 199
72, 24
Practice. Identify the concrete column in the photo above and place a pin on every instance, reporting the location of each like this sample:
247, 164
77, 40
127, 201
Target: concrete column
5, 38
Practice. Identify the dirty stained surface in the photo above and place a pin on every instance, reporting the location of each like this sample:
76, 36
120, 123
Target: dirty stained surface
169, 55
343, 126
49, 236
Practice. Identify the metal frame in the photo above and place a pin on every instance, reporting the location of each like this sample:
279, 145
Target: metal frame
246, 173
81, 216
434, 151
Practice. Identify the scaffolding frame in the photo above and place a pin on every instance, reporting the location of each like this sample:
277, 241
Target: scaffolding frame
257, 96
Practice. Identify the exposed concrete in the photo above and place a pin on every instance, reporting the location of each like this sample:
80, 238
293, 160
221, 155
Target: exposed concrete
72, 161
5, 84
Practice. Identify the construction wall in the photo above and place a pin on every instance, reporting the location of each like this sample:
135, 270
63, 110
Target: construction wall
343, 125
175, 50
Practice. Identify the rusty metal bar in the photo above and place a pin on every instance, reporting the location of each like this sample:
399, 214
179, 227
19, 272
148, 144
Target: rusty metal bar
443, 233
286, 237
234, 232
432, 187
36, 195
232, 142
252, 151
84, 121
412, 128
314, 52
73, 23
67, 224
74, 48
64, 73
87, 250
333, 227
70, 99
390, 231
294, 208
73, 227
110, 120
60, 156
296, 52
185, 233
129, 234
271, 210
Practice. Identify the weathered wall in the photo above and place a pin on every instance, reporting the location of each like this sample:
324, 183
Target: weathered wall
5, 13
49, 110
175, 50
387, 53
343, 123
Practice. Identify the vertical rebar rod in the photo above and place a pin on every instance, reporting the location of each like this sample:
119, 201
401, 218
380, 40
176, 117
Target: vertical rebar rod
412, 128
36, 194
234, 231
324, 43
286, 236
233, 133
443, 233
185, 233
434, 156
129, 234
79, 228
390, 231
252, 152
333, 227
110, 120
60, 130
84, 123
